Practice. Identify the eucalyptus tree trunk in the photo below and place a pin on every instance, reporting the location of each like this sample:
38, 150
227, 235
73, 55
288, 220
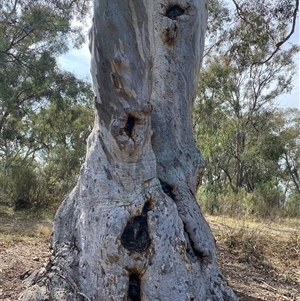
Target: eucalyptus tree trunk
131, 229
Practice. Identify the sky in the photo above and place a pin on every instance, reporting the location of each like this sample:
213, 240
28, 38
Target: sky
293, 99
78, 62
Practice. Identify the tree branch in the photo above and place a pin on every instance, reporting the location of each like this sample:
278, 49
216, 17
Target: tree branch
280, 43
12, 11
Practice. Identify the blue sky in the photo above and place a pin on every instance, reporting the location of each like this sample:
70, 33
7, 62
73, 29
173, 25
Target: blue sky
293, 99
78, 62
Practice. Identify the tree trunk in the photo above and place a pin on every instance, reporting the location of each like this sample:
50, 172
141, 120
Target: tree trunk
132, 229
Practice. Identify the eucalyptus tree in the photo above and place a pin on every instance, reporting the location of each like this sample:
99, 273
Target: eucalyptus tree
247, 65
33, 34
287, 138
131, 229
59, 132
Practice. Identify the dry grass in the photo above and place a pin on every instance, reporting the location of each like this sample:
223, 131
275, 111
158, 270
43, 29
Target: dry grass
259, 259
44, 231
272, 245
19, 226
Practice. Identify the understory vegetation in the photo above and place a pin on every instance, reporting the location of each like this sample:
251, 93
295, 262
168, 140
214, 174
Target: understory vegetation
262, 204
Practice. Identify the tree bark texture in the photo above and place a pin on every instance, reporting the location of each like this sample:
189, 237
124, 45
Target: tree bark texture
132, 229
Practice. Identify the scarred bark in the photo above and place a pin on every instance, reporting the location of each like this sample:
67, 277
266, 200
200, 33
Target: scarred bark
132, 229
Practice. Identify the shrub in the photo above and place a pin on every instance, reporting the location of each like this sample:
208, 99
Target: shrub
266, 201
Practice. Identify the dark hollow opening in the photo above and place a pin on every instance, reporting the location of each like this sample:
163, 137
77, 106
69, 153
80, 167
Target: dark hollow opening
129, 126
167, 189
135, 236
174, 12
134, 290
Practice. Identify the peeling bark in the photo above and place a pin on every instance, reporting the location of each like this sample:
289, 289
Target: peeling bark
132, 229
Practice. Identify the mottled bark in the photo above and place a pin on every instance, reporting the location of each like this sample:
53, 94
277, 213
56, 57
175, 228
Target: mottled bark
132, 229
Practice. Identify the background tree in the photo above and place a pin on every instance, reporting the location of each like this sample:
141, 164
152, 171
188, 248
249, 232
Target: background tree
131, 229
32, 36
244, 74
286, 131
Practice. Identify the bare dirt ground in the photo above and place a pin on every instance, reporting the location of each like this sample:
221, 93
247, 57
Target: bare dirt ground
258, 264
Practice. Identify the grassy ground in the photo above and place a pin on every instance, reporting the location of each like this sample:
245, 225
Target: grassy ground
260, 260
18, 226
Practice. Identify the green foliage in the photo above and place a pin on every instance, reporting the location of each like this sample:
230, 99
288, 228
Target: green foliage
45, 113
24, 185
250, 147
267, 202
292, 206
66, 139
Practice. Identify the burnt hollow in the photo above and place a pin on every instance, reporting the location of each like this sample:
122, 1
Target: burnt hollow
134, 289
129, 125
167, 189
135, 237
174, 12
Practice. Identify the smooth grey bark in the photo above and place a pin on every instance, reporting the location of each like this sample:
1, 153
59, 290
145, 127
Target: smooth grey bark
132, 229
